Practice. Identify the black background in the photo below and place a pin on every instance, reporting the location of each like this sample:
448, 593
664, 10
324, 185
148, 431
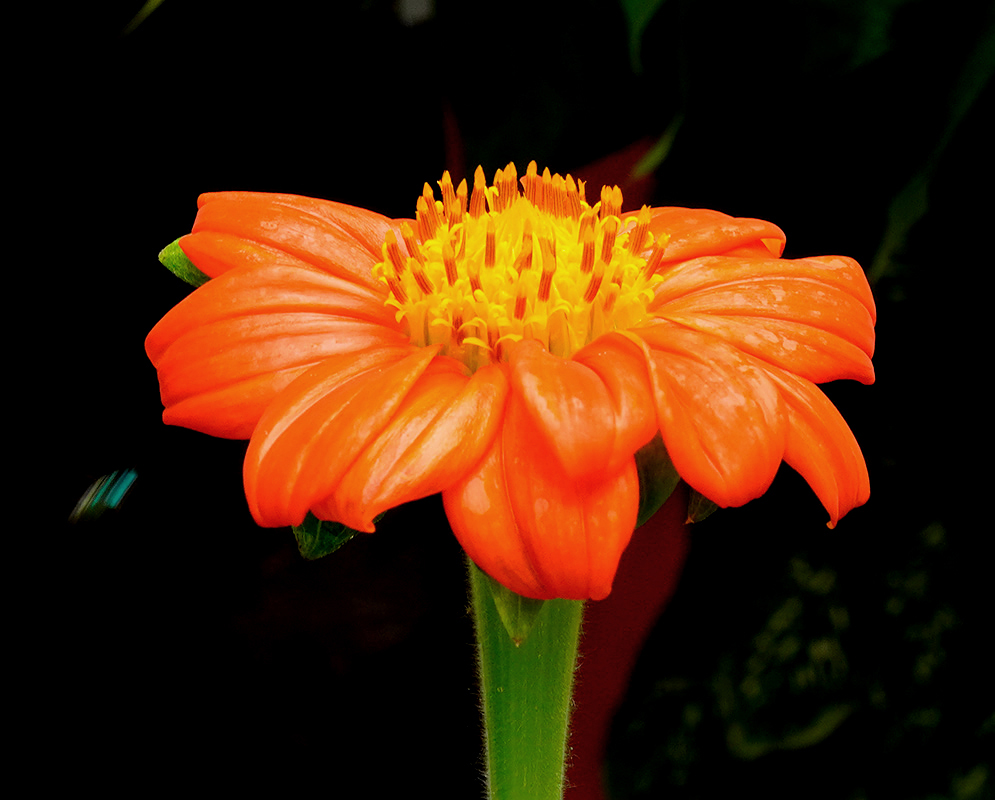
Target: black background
172, 640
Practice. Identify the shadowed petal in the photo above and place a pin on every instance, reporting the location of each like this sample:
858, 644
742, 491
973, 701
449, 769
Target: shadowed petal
203, 373
594, 411
821, 447
313, 431
522, 520
719, 413
441, 430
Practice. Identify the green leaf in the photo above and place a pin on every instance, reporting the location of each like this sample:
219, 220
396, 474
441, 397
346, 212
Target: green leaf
141, 16
176, 261
657, 478
655, 156
317, 538
699, 507
638, 14
517, 613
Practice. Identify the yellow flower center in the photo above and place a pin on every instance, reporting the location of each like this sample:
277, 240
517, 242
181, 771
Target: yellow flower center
505, 266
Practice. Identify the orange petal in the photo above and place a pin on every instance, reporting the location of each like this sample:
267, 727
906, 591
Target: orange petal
570, 406
314, 430
621, 367
821, 447
231, 346
367, 227
698, 232
522, 520
719, 413
813, 317
442, 429
269, 224
283, 285
593, 411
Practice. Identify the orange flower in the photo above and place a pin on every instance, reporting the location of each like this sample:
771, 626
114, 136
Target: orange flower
512, 351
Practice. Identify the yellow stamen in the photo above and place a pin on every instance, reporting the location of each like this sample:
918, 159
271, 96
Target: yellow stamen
394, 253
408, 234
467, 282
477, 201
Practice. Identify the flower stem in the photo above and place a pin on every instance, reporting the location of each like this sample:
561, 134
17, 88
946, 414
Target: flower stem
526, 689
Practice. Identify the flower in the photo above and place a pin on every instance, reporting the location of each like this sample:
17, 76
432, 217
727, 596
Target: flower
513, 351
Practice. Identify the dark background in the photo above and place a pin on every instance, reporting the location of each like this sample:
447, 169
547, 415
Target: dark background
172, 640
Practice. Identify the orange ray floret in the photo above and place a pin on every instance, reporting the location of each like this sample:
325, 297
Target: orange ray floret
512, 350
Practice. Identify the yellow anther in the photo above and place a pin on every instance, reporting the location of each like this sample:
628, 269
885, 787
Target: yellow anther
587, 255
597, 275
637, 237
394, 253
656, 257
423, 281
449, 261
477, 201
531, 183
573, 198
544, 193
490, 243
427, 215
559, 197
464, 278
448, 196
609, 229
523, 262
547, 245
460, 206
408, 234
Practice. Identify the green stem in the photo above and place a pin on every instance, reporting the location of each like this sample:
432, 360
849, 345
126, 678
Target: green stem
526, 692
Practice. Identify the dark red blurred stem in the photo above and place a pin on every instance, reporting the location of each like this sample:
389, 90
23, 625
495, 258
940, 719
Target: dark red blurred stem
614, 631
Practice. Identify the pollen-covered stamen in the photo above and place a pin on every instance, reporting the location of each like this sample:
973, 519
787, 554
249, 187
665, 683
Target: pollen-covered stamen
637, 237
544, 194
473, 273
521, 300
490, 244
506, 182
559, 197
449, 261
459, 208
394, 253
547, 245
587, 243
611, 202
597, 275
609, 230
656, 257
573, 198
448, 197
408, 235
396, 288
477, 199
530, 182
427, 215
469, 280
423, 281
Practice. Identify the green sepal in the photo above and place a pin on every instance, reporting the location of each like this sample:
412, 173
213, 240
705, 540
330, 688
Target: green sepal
175, 260
699, 507
657, 478
317, 537
517, 613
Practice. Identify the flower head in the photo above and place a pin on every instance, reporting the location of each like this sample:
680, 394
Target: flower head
512, 349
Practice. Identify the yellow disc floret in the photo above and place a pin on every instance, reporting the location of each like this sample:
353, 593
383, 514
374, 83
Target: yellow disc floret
477, 273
